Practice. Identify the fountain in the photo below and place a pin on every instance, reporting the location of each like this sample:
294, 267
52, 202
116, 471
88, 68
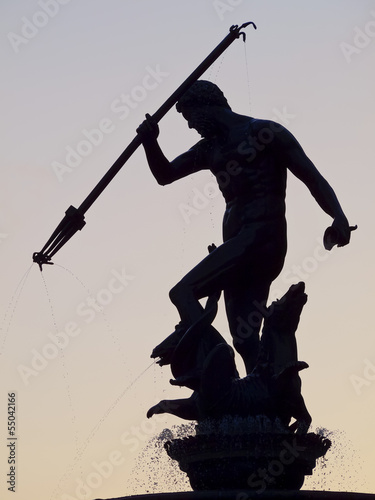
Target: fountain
252, 436
252, 433
243, 437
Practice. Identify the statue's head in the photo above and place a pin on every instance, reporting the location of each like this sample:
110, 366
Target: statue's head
200, 105
201, 94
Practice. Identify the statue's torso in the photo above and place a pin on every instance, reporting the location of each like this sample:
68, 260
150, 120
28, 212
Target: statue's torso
251, 174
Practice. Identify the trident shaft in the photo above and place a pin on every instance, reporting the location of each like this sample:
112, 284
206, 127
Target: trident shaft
74, 219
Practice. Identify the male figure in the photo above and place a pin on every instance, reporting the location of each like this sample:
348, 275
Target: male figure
249, 158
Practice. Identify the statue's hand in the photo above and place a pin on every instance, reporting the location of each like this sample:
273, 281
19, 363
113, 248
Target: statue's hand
148, 130
338, 234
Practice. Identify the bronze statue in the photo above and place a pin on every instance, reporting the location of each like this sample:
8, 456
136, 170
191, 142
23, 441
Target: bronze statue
249, 158
204, 362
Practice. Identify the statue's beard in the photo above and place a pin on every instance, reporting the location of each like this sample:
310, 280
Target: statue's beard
205, 129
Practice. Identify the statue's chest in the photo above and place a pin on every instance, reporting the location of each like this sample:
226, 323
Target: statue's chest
239, 155
237, 172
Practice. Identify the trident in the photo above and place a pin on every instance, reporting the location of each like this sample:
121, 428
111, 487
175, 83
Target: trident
74, 219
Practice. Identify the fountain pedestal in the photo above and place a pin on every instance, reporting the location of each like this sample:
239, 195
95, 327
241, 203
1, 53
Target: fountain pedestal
257, 461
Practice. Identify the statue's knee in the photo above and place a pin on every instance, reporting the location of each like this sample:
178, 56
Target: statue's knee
174, 294
178, 293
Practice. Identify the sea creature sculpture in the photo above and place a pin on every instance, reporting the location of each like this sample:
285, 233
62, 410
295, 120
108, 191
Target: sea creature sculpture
204, 362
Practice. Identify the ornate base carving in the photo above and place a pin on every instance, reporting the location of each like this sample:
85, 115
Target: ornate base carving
254, 461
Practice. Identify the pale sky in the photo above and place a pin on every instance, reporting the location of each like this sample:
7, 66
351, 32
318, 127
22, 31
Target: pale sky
78, 77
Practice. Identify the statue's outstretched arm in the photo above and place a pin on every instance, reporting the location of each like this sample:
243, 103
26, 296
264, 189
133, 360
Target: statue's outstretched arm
303, 168
163, 170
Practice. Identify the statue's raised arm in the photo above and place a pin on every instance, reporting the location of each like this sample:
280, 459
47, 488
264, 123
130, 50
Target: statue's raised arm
164, 171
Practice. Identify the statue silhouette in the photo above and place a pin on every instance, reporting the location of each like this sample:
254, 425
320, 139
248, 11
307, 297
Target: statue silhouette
249, 158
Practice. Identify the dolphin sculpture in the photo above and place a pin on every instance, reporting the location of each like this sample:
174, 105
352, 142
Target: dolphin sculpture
204, 362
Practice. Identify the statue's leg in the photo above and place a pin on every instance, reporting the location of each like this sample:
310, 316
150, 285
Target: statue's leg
246, 306
212, 274
184, 347
244, 267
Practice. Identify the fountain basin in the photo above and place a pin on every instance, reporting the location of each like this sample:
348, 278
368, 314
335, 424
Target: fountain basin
257, 462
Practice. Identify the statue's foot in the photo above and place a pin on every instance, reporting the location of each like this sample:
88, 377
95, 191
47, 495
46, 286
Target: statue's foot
165, 349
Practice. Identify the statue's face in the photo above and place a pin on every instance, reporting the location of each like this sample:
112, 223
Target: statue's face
201, 119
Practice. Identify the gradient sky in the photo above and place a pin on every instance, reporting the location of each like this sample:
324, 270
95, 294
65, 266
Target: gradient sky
70, 69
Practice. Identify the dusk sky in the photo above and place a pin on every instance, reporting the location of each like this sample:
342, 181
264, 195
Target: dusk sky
78, 77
